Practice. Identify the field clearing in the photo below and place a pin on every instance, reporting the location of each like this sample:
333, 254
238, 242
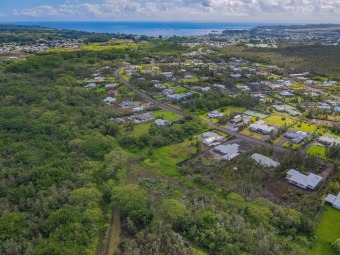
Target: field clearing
167, 115
192, 80
179, 89
279, 120
305, 127
229, 109
173, 154
318, 151
138, 130
327, 232
248, 132
108, 46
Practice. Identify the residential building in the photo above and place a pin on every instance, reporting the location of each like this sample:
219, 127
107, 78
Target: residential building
310, 181
296, 136
162, 123
211, 138
110, 100
228, 151
333, 200
261, 127
127, 104
215, 114
143, 117
265, 161
329, 140
286, 94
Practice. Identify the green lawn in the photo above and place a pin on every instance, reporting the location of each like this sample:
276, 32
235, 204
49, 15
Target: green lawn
167, 115
230, 109
138, 130
279, 119
318, 151
327, 232
291, 145
305, 127
195, 79
248, 132
179, 89
165, 159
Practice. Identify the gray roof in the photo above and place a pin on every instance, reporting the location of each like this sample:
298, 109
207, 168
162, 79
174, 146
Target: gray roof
302, 180
263, 160
334, 200
230, 151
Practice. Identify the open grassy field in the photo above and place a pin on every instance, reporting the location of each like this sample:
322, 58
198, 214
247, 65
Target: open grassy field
318, 151
195, 79
179, 89
229, 109
279, 120
138, 130
167, 115
165, 159
121, 45
305, 127
327, 232
248, 132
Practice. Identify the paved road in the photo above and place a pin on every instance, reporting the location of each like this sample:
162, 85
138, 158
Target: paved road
181, 113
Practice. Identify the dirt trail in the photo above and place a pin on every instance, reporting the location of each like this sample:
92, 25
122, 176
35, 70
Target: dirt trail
114, 233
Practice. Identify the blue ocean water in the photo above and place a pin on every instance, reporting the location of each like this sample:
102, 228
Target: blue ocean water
146, 28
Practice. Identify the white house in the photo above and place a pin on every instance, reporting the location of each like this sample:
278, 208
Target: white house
303, 181
211, 138
261, 127
229, 151
162, 123
110, 100
215, 114
263, 160
333, 200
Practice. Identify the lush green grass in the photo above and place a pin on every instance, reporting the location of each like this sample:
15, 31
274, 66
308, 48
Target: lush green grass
248, 132
179, 89
195, 79
165, 159
327, 232
158, 97
229, 109
305, 127
108, 46
279, 119
318, 151
167, 115
138, 130
291, 145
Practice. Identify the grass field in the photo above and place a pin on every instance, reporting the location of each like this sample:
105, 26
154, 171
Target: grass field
107, 46
279, 119
289, 144
248, 132
195, 79
167, 115
165, 159
305, 127
138, 130
179, 89
327, 232
318, 151
230, 109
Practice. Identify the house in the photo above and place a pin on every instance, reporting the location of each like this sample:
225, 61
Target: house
178, 96
143, 117
188, 76
167, 74
215, 114
265, 161
90, 85
296, 137
112, 92
162, 123
261, 127
111, 86
110, 100
240, 120
205, 89
310, 181
127, 104
328, 140
211, 138
333, 200
167, 91
235, 75
99, 79
228, 151
286, 108
118, 120
286, 94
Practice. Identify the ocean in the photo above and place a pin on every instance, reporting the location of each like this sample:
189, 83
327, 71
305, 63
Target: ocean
146, 28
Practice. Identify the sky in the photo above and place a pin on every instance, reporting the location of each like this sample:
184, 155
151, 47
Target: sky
271, 11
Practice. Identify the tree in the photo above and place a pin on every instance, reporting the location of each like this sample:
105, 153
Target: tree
174, 212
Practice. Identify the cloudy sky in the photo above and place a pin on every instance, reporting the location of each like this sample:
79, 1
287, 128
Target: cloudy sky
273, 11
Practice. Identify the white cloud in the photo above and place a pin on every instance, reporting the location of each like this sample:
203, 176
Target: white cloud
191, 9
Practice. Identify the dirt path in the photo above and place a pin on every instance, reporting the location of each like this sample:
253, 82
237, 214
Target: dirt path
114, 233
